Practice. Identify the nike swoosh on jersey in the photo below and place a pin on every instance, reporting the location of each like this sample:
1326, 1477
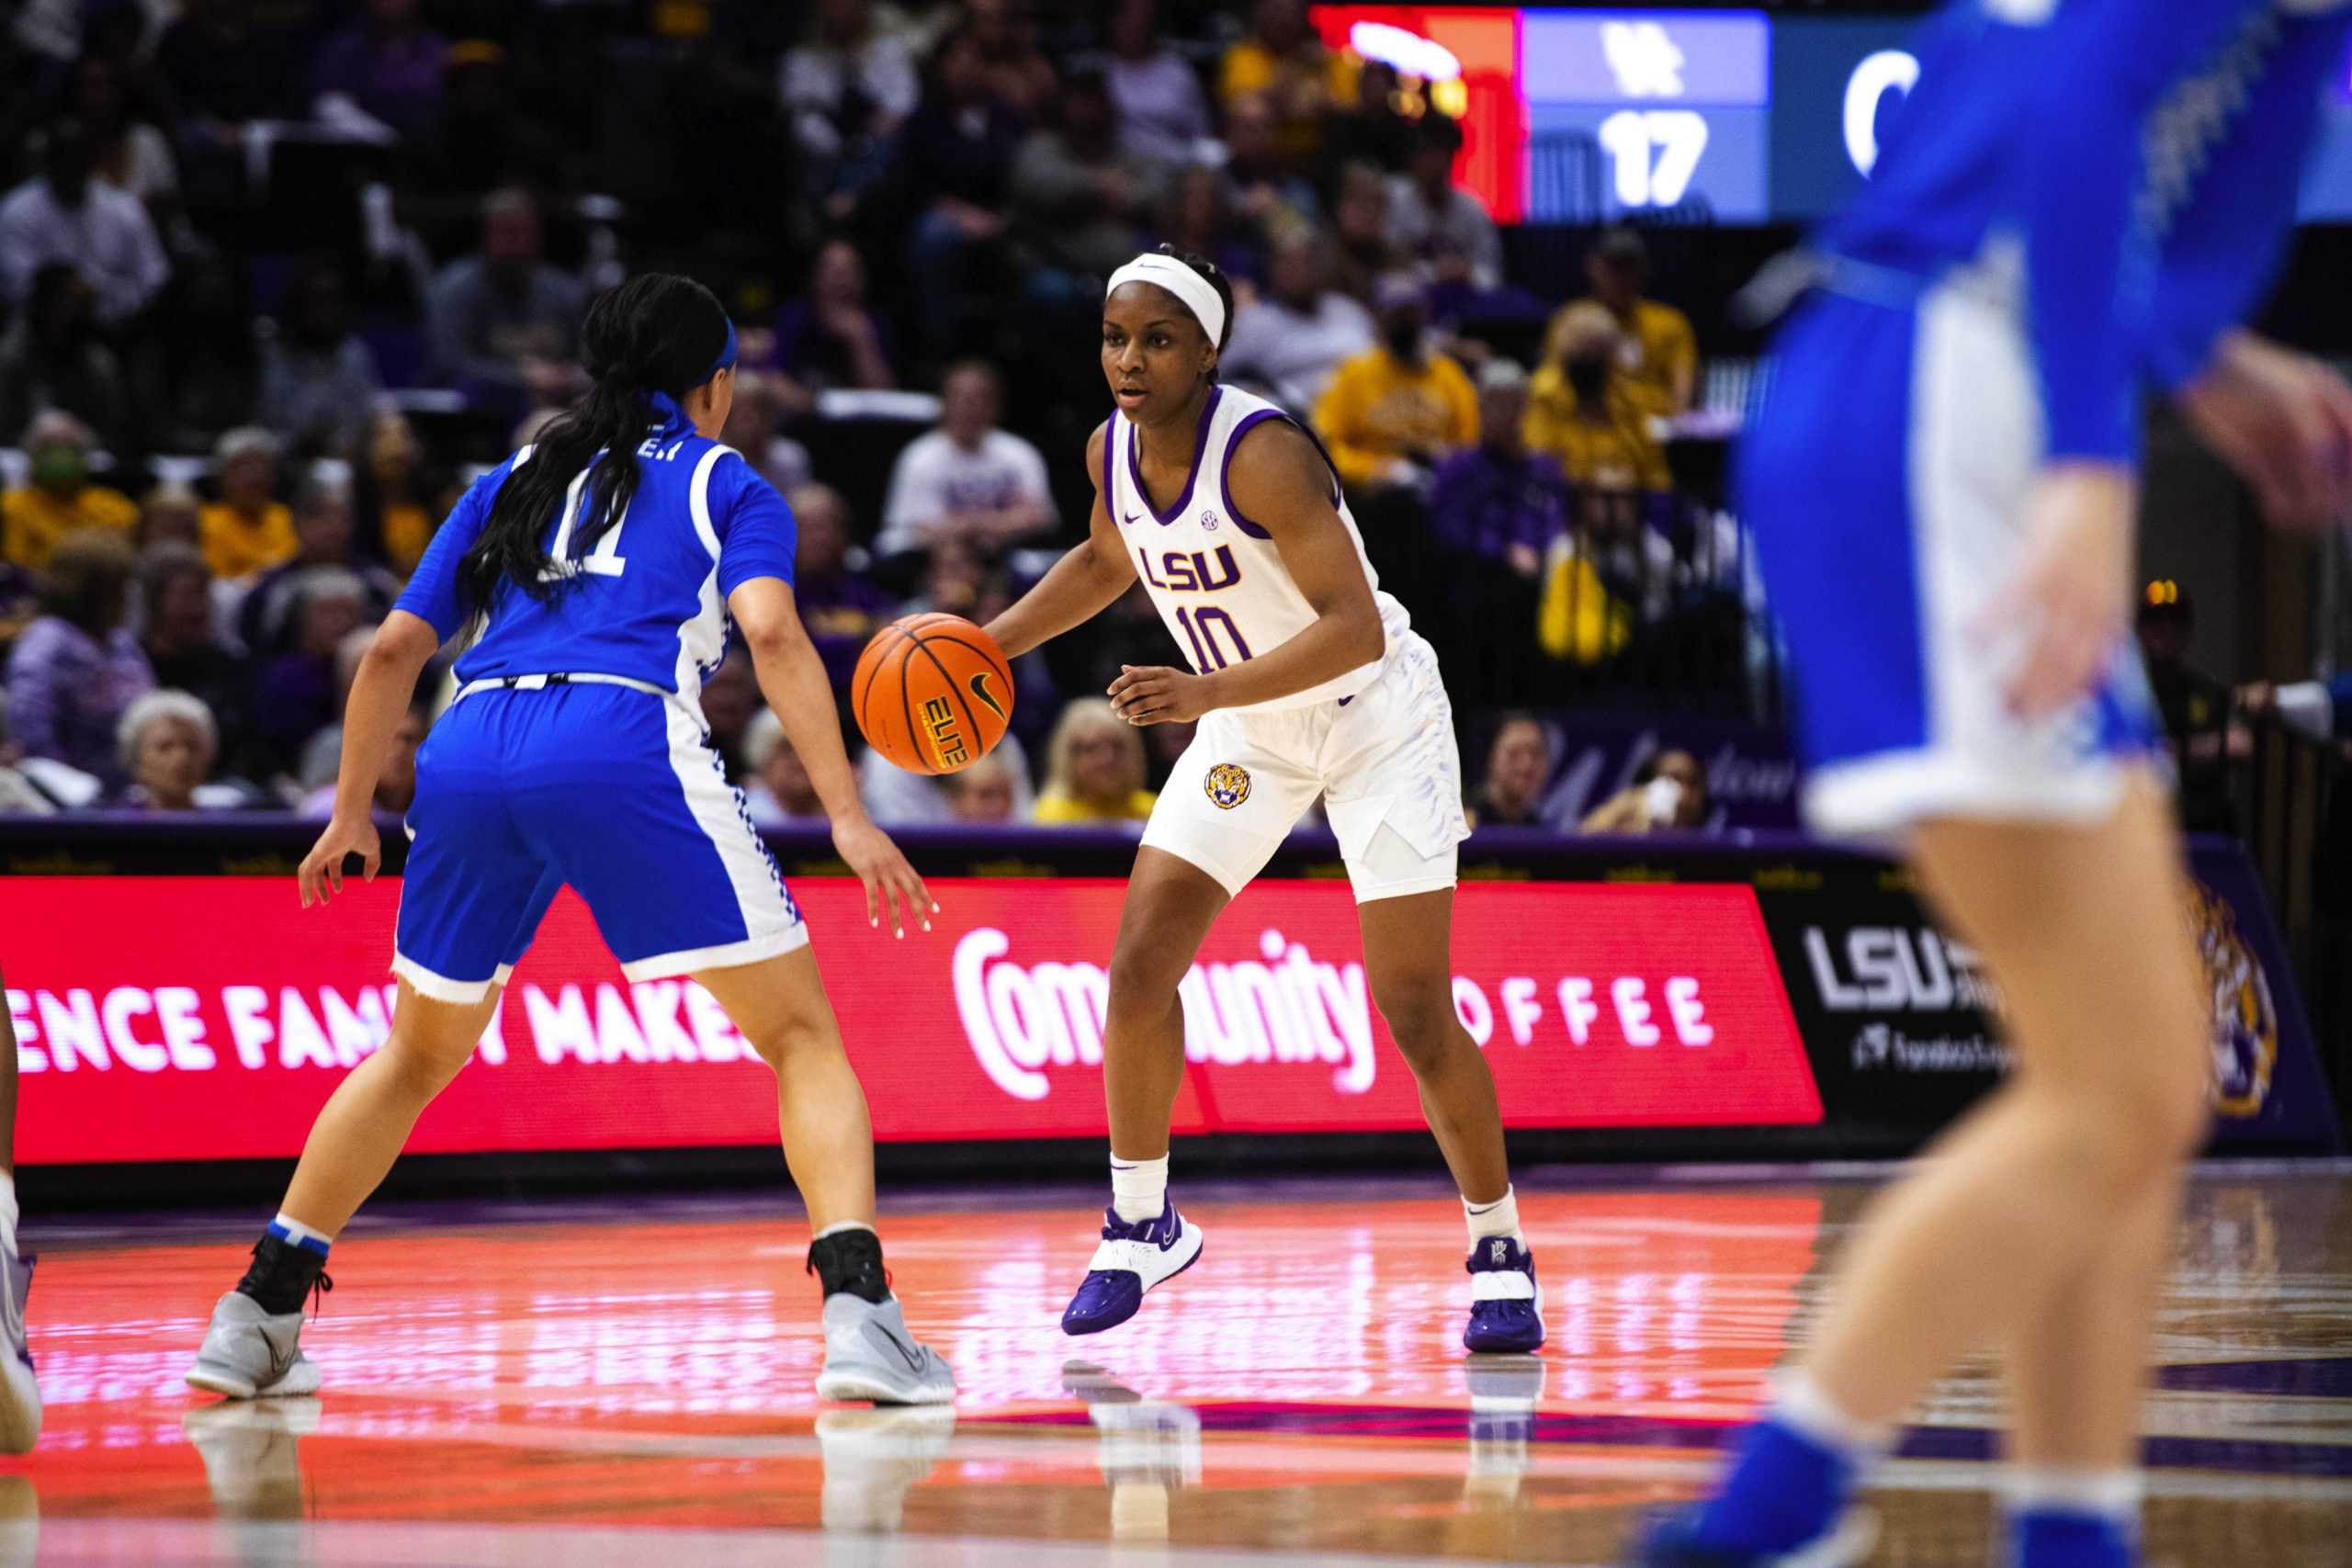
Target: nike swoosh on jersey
979, 685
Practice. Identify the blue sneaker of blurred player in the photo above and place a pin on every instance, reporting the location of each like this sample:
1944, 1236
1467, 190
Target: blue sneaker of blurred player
1672, 1540
1131, 1259
2052, 1537
1505, 1303
20, 1394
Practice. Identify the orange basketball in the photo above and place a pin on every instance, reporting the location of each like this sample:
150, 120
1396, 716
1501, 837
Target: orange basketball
932, 692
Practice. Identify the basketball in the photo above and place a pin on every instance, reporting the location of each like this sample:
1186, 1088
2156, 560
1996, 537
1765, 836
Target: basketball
933, 693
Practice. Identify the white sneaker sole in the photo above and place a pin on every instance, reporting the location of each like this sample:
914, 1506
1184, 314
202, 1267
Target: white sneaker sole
858, 1387
300, 1379
19, 1407
1844, 1547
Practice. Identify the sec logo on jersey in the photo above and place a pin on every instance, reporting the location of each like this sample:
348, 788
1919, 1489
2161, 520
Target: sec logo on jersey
1228, 784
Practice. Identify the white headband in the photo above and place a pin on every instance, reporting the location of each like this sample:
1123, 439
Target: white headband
1166, 271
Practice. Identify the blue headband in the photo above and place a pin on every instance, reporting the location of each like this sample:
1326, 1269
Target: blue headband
665, 407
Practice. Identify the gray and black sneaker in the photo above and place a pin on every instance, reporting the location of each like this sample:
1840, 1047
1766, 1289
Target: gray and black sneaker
20, 1394
870, 1356
251, 1353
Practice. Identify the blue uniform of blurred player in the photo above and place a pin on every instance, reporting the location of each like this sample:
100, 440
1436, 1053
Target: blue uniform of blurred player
599, 569
2078, 203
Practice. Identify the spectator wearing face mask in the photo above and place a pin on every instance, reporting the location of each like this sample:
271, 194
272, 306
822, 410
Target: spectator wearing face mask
75, 669
248, 529
1668, 795
53, 357
1519, 763
1657, 353
1394, 411
60, 498
1582, 413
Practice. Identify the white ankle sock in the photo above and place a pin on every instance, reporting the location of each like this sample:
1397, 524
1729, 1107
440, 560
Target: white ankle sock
1497, 1218
8, 1208
1798, 1403
1138, 1188
2110, 1495
845, 1225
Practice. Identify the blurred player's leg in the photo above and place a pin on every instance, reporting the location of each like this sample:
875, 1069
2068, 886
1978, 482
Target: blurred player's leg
1170, 906
1408, 956
2078, 1374
2082, 929
779, 1006
20, 1394
251, 1349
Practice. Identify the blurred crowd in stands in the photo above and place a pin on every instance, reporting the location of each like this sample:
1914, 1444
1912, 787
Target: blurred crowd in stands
279, 276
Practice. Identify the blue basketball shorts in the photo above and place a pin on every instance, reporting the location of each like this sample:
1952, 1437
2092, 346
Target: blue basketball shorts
1886, 477
608, 788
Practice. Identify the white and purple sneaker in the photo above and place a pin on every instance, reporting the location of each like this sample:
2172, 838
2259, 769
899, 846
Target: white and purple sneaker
1131, 1259
1505, 1303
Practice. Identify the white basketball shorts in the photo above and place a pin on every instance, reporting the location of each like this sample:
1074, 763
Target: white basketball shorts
1384, 762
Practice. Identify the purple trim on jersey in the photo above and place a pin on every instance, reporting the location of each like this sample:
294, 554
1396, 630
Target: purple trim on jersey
1224, 473
1110, 444
1200, 440
1225, 469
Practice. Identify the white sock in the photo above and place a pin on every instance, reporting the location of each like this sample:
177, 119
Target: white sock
1799, 1404
1138, 1188
845, 1225
1497, 1218
2109, 1494
8, 1209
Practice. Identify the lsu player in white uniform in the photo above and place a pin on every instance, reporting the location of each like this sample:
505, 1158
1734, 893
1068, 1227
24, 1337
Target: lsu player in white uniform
1307, 680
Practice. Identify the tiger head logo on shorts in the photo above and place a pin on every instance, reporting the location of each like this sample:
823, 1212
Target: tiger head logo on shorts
1228, 784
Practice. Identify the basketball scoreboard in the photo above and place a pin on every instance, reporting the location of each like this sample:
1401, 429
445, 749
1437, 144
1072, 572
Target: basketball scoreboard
1729, 117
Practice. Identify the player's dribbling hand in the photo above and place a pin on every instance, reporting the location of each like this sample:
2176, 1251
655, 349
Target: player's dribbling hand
2066, 614
1154, 694
869, 851
2284, 422
321, 871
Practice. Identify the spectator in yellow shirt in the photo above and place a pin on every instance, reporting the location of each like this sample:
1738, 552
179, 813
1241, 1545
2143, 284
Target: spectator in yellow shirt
1093, 770
248, 529
1657, 355
1581, 410
1394, 411
61, 500
1282, 57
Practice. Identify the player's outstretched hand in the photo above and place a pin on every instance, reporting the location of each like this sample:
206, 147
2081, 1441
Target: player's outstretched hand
2058, 625
322, 873
887, 875
2284, 422
1153, 693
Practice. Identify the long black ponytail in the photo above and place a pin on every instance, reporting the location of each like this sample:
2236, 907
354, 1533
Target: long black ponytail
658, 333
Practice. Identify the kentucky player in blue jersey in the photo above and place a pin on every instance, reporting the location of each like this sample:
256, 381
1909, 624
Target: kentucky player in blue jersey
598, 571
2078, 203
